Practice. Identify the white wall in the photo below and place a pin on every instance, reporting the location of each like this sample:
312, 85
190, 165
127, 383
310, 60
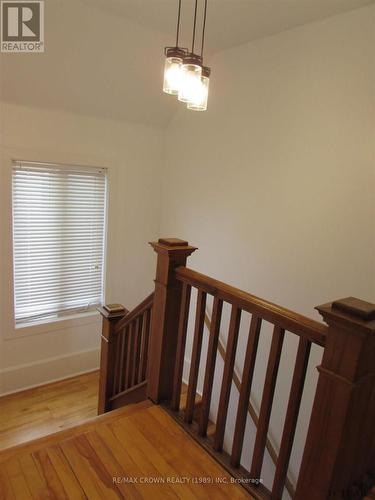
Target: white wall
132, 154
275, 182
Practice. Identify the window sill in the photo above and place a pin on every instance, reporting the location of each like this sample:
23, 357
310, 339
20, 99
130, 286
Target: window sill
55, 324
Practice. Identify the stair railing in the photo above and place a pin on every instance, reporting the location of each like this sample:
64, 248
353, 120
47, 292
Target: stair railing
124, 356
339, 455
253, 413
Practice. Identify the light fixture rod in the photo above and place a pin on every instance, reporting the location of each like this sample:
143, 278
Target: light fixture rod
204, 26
178, 22
195, 24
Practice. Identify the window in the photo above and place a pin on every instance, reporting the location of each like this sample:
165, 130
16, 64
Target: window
58, 239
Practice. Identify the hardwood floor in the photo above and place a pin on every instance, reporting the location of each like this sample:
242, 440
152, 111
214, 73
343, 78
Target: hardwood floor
134, 452
46, 409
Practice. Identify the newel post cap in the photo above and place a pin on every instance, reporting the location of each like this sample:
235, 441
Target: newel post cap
113, 311
351, 314
172, 246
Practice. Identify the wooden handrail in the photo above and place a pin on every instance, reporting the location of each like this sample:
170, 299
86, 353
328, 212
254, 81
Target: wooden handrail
289, 320
139, 309
251, 410
124, 356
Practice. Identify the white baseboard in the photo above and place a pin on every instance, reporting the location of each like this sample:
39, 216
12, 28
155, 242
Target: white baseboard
27, 376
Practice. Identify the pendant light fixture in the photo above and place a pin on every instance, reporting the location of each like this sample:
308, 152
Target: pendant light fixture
199, 99
191, 69
199, 102
173, 62
184, 73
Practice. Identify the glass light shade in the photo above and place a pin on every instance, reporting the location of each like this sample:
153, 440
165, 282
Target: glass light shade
201, 96
172, 75
190, 82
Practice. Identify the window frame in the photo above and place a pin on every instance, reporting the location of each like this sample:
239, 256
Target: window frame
64, 320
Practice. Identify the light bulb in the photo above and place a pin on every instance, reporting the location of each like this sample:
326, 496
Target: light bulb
172, 71
200, 98
191, 73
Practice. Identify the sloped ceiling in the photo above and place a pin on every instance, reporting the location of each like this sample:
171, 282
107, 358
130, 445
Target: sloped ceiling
231, 22
105, 57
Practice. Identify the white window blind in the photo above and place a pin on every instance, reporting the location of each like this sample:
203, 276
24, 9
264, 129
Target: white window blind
58, 239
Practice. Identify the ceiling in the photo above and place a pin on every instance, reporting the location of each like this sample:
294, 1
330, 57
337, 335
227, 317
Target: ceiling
105, 57
230, 22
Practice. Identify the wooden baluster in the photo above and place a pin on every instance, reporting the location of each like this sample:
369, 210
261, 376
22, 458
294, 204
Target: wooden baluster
339, 454
144, 363
246, 382
123, 364
129, 355
172, 253
137, 347
181, 343
267, 399
142, 347
196, 356
210, 365
107, 357
226, 385
126, 357
122, 353
116, 371
298, 382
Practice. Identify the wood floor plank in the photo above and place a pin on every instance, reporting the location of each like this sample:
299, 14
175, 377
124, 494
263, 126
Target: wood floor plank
6, 492
58, 476
89, 470
16, 479
36, 483
120, 464
65, 472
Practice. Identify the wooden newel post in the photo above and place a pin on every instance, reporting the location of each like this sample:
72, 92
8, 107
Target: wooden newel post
172, 253
107, 355
339, 461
